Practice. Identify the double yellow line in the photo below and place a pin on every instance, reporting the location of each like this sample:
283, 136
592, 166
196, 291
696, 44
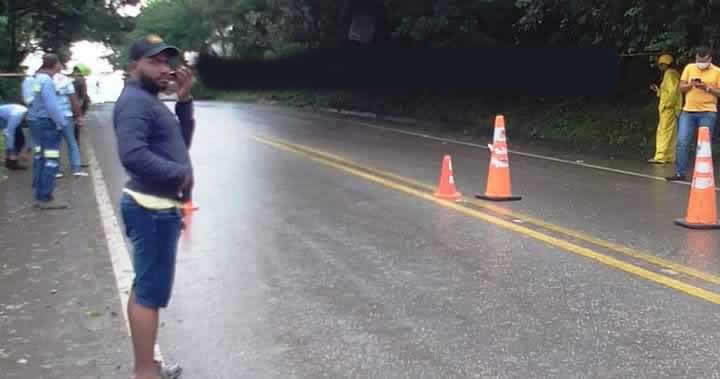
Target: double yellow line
424, 191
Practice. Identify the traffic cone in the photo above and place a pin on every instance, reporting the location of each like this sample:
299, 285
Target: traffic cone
446, 188
702, 210
498, 181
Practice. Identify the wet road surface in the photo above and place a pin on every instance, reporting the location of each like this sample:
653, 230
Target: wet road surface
296, 266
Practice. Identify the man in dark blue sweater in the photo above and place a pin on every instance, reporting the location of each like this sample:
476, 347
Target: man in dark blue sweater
153, 147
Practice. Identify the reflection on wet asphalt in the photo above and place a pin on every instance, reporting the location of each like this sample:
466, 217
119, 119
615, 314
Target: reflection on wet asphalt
294, 269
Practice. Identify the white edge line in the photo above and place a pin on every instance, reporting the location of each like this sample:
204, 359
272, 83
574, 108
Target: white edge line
119, 254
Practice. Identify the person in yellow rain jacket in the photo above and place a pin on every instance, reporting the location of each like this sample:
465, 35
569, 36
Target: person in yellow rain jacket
669, 109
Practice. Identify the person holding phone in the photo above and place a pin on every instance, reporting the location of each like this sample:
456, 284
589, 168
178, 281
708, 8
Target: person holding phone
669, 107
153, 147
700, 82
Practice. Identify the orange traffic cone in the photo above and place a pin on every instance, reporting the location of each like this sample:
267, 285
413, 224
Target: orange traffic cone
498, 181
702, 210
446, 188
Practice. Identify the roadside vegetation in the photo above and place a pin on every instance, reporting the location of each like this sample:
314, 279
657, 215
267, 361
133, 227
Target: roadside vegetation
637, 30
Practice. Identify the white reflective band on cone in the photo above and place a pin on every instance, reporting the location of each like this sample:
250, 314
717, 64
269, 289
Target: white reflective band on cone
498, 163
704, 168
703, 183
500, 151
704, 150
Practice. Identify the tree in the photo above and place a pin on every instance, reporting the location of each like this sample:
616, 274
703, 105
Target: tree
54, 24
629, 26
222, 27
263, 28
180, 22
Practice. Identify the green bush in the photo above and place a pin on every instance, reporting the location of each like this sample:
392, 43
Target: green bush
10, 90
202, 92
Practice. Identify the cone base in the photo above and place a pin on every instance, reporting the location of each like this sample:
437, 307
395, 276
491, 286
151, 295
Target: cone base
457, 196
498, 198
682, 222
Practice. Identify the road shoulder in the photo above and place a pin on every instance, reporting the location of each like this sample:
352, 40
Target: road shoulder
60, 313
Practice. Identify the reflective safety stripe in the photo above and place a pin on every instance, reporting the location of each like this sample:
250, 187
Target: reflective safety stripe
38, 149
703, 183
704, 168
52, 153
704, 150
152, 202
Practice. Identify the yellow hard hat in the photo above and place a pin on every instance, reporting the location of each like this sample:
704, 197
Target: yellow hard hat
665, 59
82, 69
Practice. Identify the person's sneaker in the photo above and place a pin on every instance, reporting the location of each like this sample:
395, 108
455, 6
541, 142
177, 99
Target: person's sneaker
80, 173
52, 204
173, 371
676, 178
59, 175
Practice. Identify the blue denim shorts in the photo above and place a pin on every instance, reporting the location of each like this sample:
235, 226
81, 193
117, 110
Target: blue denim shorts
154, 236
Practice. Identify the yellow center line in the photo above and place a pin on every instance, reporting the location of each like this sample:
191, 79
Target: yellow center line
618, 248
550, 240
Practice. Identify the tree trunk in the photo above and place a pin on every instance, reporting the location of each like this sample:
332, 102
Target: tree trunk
12, 33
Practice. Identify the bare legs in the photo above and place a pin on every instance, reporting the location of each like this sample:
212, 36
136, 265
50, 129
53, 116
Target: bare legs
144, 327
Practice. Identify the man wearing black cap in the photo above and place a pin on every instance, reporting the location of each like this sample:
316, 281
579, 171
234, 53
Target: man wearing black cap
153, 148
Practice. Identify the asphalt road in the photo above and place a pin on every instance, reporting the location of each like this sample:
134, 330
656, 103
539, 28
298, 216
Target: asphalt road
304, 265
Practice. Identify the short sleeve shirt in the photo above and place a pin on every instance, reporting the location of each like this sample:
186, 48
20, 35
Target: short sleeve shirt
697, 100
65, 88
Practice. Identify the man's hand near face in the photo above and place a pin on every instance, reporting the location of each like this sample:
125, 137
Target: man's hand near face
184, 83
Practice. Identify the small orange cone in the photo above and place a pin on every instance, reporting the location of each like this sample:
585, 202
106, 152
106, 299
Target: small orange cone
446, 188
702, 210
498, 181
